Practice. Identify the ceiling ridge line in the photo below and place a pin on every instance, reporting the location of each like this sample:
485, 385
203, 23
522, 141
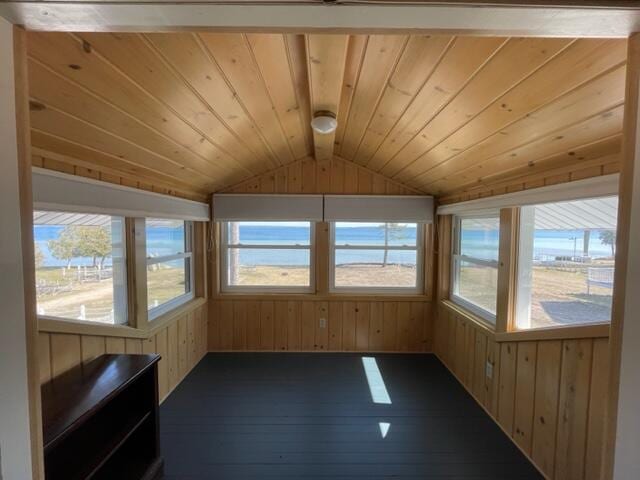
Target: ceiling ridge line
169, 65
136, 145
446, 104
492, 102
152, 97
420, 88
104, 100
499, 180
107, 154
532, 112
266, 88
304, 125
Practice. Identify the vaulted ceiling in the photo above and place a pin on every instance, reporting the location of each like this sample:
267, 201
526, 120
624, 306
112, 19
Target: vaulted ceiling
204, 111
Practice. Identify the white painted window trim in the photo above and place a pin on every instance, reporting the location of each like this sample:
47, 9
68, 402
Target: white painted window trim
419, 248
123, 287
260, 289
154, 313
486, 316
606, 185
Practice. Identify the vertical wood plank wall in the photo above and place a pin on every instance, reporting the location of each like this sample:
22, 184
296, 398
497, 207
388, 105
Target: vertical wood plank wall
296, 325
282, 322
335, 176
181, 343
547, 395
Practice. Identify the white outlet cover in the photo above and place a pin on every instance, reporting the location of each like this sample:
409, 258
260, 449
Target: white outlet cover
489, 370
323, 323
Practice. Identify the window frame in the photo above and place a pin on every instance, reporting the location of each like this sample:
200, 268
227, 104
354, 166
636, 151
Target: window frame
269, 289
166, 307
420, 264
488, 318
125, 287
513, 326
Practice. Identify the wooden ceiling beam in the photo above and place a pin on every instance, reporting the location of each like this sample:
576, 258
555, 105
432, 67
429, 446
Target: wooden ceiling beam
326, 57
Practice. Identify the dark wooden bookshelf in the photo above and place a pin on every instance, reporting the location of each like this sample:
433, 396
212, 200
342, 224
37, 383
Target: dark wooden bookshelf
100, 420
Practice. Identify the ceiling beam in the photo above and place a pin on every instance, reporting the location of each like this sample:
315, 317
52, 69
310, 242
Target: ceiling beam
567, 18
326, 56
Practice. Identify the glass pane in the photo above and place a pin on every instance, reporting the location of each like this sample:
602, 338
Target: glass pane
268, 267
269, 233
80, 266
566, 264
477, 284
164, 237
376, 268
376, 234
479, 237
166, 281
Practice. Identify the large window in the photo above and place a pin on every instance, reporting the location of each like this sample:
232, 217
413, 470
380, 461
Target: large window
566, 263
267, 256
80, 266
376, 257
169, 264
475, 264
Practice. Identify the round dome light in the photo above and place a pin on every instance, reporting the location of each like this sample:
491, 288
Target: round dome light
324, 123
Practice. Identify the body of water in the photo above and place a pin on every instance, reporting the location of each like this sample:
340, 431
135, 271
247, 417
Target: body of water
165, 241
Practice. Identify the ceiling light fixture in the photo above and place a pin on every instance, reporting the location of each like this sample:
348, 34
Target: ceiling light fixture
324, 122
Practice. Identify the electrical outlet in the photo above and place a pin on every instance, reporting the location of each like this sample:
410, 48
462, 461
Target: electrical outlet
489, 370
323, 323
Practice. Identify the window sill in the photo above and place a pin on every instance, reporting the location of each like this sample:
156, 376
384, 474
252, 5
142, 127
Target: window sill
322, 297
554, 333
477, 321
599, 330
79, 327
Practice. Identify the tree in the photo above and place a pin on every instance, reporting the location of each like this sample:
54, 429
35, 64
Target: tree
81, 241
392, 231
64, 248
608, 237
39, 256
94, 242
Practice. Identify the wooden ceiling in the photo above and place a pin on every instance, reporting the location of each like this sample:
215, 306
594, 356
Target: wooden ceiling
441, 114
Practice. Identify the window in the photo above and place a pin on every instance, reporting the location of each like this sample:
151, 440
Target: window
566, 263
169, 264
475, 264
376, 257
80, 266
267, 256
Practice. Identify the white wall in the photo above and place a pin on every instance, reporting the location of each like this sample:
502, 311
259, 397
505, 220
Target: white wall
627, 450
14, 402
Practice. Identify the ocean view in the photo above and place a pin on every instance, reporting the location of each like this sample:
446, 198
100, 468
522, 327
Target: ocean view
477, 243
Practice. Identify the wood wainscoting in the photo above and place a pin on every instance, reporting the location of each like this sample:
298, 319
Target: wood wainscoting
547, 395
320, 325
181, 342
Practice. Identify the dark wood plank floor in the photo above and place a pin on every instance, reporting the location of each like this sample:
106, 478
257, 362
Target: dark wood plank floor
311, 416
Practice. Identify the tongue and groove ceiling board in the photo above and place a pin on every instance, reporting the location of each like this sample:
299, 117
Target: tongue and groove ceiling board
439, 114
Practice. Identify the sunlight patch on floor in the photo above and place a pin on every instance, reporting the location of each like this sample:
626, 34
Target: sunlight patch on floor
377, 387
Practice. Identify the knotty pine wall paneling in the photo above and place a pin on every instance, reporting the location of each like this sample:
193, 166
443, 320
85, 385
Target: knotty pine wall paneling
321, 322
181, 343
547, 395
